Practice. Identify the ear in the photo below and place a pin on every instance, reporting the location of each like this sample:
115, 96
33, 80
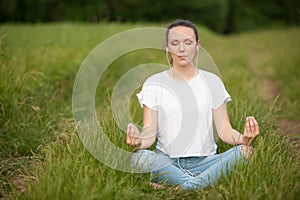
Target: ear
199, 45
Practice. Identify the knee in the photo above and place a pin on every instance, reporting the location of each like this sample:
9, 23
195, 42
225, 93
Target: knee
141, 160
142, 155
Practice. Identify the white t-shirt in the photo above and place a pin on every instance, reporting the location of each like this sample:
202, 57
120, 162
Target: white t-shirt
184, 111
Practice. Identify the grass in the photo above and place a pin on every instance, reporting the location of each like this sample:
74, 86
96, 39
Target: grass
42, 157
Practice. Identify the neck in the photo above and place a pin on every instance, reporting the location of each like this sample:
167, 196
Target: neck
183, 73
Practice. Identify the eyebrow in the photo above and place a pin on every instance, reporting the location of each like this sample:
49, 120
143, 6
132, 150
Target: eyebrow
174, 40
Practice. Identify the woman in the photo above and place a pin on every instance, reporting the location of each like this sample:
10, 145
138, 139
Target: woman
179, 108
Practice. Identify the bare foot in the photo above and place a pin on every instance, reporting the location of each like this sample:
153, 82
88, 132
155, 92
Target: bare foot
247, 151
156, 186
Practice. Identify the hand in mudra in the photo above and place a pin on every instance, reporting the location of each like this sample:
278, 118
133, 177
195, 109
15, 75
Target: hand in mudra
133, 136
251, 130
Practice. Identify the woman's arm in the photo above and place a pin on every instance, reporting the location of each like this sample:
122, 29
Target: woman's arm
145, 139
230, 135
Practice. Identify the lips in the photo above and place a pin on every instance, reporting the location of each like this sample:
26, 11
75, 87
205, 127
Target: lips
182, 57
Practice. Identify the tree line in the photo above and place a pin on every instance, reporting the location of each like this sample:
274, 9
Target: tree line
222, 16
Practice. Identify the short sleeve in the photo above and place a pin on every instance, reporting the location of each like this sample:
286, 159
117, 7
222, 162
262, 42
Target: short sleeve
148, 96
218, 91
220, 97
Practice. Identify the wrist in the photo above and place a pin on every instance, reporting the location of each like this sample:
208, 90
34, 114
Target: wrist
245, 140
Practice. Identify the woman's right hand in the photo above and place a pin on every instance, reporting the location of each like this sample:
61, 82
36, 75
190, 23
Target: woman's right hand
133, 136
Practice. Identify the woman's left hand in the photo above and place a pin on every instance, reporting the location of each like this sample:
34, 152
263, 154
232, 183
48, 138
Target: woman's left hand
251, 130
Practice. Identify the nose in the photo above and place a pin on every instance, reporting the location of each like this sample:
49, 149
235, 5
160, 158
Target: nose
181, 47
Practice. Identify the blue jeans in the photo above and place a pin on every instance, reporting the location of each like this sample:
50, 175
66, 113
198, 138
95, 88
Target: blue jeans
187, 172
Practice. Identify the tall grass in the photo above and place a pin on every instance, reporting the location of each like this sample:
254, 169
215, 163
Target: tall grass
43, 158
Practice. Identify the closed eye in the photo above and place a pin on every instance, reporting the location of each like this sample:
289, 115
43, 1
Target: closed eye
174, 43
188, 42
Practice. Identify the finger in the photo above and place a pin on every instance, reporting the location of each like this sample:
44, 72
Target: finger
255, 129
132, 140
256, 126
135, 130
136, 141
251, 124
129, 134
129, 138
248, 132
247, 126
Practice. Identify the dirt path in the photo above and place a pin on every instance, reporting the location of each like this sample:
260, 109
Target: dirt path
292, 128
289, 127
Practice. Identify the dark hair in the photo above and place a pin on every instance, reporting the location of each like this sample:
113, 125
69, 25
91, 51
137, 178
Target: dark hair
181, 22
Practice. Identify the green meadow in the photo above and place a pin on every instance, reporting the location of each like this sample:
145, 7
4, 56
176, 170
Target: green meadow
42, 157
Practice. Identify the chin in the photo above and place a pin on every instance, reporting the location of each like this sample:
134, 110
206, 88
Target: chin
183, 63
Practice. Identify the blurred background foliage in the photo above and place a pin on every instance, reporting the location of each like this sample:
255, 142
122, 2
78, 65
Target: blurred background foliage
222, 16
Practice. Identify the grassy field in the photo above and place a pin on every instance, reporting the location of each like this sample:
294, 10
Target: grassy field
42, 157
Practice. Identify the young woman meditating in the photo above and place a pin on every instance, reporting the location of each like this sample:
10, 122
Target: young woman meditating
179, 108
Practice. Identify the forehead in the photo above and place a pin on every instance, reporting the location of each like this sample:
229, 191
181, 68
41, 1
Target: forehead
181, 32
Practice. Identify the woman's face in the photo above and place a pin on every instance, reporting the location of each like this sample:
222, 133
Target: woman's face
182, 45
